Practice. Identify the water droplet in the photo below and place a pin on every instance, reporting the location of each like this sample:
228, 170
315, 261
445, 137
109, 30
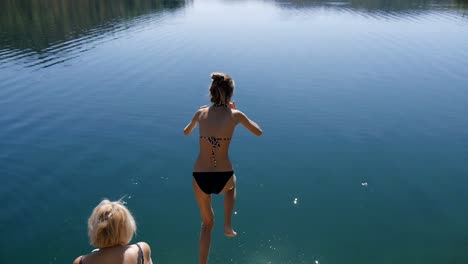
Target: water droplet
364, 184
316, 262
235, 213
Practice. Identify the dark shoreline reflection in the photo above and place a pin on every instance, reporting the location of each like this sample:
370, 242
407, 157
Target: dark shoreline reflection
394, 6
37, 25
462, 4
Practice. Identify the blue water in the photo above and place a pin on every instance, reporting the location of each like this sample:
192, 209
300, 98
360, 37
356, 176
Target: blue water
363, 105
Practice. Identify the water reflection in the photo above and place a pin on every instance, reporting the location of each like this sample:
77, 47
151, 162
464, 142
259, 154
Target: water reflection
43, 28
48, 32
462, 4
378, 5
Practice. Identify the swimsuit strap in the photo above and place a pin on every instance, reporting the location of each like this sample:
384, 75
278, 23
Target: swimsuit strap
215, 138
141, 259
214, 141
220, 105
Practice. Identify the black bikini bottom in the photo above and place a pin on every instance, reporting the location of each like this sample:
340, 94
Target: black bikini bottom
212, 182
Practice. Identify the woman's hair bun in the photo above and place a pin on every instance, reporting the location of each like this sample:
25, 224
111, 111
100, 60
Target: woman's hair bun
222, 87
217, 76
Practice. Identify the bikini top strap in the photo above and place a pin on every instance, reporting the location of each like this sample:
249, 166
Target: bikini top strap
215, 138
141, 259
214, 141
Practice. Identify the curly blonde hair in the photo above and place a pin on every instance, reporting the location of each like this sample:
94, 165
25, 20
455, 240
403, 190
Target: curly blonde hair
110, 224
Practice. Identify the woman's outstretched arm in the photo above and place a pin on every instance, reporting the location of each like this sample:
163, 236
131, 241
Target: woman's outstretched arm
188, 129
249, 124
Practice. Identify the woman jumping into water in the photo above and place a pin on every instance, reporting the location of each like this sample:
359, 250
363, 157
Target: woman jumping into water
213, 171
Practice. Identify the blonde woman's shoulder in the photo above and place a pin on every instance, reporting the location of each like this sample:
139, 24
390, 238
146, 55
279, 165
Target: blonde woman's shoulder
77, 260
146, 250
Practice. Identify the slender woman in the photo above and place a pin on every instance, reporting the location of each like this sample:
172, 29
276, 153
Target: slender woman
213, 171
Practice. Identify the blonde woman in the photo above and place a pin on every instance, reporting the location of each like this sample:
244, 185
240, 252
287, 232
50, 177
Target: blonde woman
213, 172
110, 228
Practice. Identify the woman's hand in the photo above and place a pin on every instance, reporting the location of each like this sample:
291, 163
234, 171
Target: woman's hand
232, 105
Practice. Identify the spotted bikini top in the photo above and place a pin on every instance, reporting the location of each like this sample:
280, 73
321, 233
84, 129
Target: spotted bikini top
214, 141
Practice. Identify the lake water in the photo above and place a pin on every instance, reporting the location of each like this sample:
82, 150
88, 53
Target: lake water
364, 107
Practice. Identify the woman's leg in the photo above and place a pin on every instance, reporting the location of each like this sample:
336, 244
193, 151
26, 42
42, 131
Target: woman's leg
229, 201
204, 203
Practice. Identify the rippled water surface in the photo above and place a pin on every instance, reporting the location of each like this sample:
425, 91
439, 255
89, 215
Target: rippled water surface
363, 106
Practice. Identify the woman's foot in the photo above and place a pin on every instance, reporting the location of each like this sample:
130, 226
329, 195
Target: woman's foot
229, 232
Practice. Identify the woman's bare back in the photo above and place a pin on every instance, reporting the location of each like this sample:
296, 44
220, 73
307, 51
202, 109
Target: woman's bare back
125, 254
217, 126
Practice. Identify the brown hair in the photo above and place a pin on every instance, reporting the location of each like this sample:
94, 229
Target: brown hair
110, 224
222, 88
